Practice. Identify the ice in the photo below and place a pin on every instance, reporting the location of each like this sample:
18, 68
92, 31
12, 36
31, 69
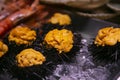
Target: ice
118, 78
82, 69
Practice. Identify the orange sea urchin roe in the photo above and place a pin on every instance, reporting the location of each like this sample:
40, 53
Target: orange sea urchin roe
62, 40
3, 48
108, 36
61, 19
29, 57
22, 35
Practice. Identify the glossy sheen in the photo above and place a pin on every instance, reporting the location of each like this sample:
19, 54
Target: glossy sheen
62, 40
22, 35
30, 57
108, 36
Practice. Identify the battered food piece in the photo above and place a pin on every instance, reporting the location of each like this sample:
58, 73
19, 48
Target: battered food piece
61, 19
30, 57
22, 35
62, 40
108, 36
3, 48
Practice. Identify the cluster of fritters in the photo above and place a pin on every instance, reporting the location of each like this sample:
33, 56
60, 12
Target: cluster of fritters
61, 40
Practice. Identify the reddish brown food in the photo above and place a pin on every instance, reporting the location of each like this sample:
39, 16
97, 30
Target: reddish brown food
10, 8
13, 19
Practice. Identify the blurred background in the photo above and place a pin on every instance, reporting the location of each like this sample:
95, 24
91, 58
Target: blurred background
108, 10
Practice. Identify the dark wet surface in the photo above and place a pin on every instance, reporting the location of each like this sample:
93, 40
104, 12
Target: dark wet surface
82, 67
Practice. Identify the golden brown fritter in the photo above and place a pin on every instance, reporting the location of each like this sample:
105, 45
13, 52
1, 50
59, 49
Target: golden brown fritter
30, 57
108, 36
61, 19
22, 35
62, 40
3, 48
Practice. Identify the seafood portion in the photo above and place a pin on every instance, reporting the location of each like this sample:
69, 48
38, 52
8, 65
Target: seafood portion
30, 57
29, 63
22, 35
13, 19
106, 46
10, 8
108, 36
61, 19
62, 40
3, 48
